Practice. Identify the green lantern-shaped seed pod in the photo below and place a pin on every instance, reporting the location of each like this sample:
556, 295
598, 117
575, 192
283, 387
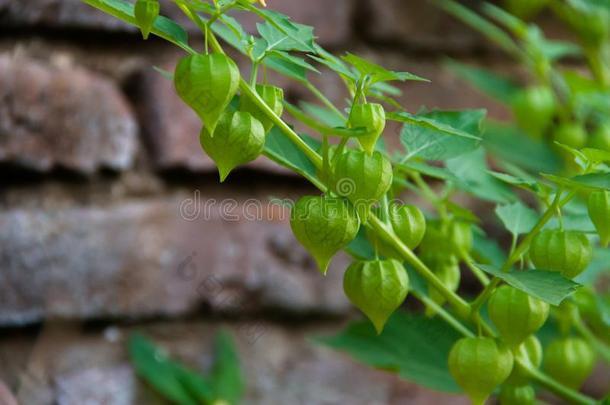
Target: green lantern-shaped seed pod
207, 83
436, 248
570, 361
534, 109
517, 395
272, 96
479, 365
324, 225
145, 13
370, 116
239, 139
571, 134
460, 234
516, 314
409, 224
567, 252
599, 212
448, 272
531, 352
363, 179
377, 288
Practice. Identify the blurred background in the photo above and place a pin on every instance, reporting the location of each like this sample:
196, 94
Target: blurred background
112, 218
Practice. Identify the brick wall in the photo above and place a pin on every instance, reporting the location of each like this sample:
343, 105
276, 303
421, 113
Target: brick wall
111, 217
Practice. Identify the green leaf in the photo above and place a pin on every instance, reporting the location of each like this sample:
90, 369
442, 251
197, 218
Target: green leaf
548, 286
486, 81
226, 374
517, 217
283, 151
428, 170
169, 378
282, 41
439, 135
472, 171
411, 345
486, 249
360, 247
513, 146
301, 36
599, 181
516, 181
163, 26
377, 73
324, 115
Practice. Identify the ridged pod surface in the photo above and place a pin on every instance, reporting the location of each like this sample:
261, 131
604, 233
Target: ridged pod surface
207, 83
324, 225
570, 361
362, 178
567, 252
145, 13
239, 139
599, 211
448, 272
273, 96
530, 350
409, 224
516, 314
479, 365
517, 395
436, 249
377, 288
370, 116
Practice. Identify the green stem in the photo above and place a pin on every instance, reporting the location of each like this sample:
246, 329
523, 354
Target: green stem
461, 306
556, 387
388, 236
478, 273
442, 313
586, 333
254, 74
521, 249
324, 100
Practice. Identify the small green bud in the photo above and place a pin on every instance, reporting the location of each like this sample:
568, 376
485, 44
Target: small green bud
145, 13
371, 117
599, 212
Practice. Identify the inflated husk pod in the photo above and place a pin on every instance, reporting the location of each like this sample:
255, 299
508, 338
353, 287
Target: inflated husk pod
324, 225
273, 96
362, 178
239, 139
567, 252
207, 83
377, 288
371, 117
